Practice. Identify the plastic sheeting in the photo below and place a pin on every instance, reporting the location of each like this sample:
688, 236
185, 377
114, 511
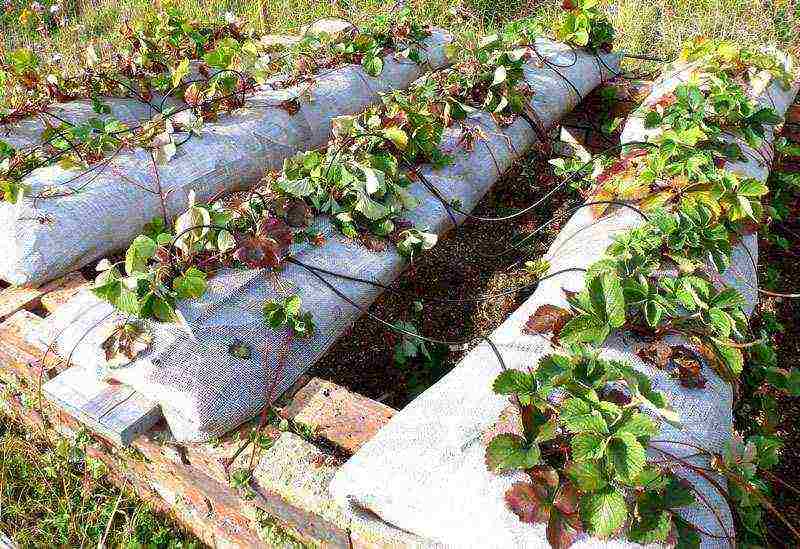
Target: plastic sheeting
92, 212
203, 390
425, 473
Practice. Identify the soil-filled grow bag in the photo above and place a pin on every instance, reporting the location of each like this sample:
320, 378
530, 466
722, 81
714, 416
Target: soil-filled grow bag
90, 214
205, 391
425, 472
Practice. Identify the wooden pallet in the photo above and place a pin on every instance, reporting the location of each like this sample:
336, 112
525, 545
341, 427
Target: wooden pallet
292, 467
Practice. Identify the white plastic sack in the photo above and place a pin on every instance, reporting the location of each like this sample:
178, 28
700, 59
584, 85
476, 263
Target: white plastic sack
204, 391
425, 473
45, 238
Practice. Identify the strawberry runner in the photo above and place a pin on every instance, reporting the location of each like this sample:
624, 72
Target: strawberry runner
425, 472
204, 390
83, 216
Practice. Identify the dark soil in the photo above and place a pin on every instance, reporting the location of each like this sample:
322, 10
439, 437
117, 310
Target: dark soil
461, 266
458, 268
773, 261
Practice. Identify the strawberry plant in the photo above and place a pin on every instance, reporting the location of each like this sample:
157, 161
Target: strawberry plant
212, 67
588, 451
585, 423
585, 25
289, 315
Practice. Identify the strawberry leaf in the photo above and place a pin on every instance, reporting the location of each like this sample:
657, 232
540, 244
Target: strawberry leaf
508, 451
528, 502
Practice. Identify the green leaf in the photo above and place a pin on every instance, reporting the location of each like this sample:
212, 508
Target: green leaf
373, 65
577, 416
677, 494
586, 475
604, 512
721, 322
508, 451
588, 446
108, 285
292, 305
614, 300
639, 425
514, 382
180, 72
727, 298
369, 208
584, 329
730, 356
162, 310
651, 527
752, 187
397, 136
500, 75
139, 253
191, 284
299, 188
627, 456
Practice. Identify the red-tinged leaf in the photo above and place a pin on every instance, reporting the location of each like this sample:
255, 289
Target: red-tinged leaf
528, 502
547, 319
793, 115
291, 106
566, 500
374, 244
318, 239
258, 253
275, 229
603, 197
298, 214
192, 95
544, 475
666, 100
688, 368
657, 354
560, 531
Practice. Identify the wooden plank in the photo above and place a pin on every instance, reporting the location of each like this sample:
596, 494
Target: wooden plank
23, 349
17, 298
114, 411
68, 287
341, 417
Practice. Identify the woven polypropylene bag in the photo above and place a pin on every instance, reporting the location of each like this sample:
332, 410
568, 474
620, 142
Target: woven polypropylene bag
425, 473
204, 391
46, 237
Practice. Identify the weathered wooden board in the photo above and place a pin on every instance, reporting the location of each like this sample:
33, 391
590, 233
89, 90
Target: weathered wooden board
23, 351
114, 411
50, 295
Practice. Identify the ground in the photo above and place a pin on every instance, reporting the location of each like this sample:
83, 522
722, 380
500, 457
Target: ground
49, 494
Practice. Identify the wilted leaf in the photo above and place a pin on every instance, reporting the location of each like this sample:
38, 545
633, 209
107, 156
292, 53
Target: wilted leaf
124, 343
528, 502
688, 368
240, 349
547, 319
657, 354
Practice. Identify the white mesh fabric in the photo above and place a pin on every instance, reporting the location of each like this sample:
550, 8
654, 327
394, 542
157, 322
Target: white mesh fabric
424, 472
203, 390
45, 238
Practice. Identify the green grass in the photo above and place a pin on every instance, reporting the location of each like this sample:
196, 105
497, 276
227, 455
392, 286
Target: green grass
644, 26
53, 495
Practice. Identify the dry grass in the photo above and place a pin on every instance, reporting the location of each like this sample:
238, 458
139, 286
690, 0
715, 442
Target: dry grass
656, 27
